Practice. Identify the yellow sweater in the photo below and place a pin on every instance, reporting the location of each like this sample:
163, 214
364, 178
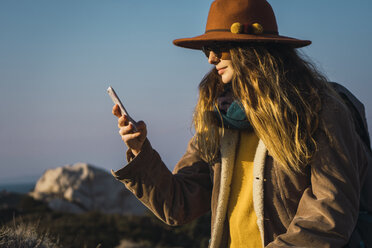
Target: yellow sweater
241, 215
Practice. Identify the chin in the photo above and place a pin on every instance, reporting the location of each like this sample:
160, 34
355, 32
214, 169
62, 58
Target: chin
226, 80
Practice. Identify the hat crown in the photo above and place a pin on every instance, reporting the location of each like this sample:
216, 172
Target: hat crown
223, 13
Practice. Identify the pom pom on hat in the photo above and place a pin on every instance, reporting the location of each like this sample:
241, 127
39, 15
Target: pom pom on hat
257, 28
236, 28
239, 28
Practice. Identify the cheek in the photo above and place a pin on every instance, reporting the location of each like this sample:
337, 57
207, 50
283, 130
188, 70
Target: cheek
231, 72
228, 76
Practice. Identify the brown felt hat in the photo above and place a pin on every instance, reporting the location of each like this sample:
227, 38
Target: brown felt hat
240, 21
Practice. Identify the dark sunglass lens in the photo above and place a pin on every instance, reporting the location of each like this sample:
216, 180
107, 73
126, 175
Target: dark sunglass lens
206, 51
217, 50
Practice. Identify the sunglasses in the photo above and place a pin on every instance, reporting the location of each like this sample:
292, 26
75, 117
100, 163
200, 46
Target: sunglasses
220, 50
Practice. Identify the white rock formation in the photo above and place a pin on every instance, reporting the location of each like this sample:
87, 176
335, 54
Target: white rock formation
81, 187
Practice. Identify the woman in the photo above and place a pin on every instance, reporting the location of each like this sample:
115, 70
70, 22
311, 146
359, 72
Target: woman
275, 156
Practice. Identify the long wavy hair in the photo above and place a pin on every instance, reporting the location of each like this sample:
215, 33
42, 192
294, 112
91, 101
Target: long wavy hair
281, 94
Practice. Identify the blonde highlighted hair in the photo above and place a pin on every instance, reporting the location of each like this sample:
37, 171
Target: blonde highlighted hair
281, 94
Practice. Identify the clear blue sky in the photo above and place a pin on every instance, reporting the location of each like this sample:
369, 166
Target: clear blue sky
58, 57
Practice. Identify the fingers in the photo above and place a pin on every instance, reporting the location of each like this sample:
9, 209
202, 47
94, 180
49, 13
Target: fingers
116, 110
125, 130
133, 139
129, 130
122, 121
129, 137
127, 134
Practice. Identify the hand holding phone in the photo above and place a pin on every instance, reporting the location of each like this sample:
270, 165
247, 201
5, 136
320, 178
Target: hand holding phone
117, 101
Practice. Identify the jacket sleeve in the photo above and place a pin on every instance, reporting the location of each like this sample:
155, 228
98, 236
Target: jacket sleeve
175, 198
328, 209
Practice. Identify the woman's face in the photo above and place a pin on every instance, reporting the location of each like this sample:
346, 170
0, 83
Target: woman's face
223, 65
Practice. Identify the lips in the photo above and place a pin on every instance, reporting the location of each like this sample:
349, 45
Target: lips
221, 70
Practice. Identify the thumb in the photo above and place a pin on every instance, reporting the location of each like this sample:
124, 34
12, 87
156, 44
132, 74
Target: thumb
116, 111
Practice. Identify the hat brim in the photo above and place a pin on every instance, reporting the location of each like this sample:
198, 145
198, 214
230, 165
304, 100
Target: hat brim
198, 42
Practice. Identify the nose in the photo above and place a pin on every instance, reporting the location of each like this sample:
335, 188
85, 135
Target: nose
213, 58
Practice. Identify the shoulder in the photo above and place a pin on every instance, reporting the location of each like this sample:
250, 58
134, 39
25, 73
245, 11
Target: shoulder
332, 102
337, 137
335, 114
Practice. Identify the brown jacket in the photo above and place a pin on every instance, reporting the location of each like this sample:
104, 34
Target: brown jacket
317, 208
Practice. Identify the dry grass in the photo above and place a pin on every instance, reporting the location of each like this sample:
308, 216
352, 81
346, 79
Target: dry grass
24, 235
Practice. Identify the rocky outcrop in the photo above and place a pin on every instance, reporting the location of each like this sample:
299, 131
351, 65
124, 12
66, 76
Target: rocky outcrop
81, 187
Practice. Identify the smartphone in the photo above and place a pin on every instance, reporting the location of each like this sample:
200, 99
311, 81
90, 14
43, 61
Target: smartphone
117, 101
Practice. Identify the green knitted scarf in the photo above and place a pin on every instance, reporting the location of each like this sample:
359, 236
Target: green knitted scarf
230, 112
